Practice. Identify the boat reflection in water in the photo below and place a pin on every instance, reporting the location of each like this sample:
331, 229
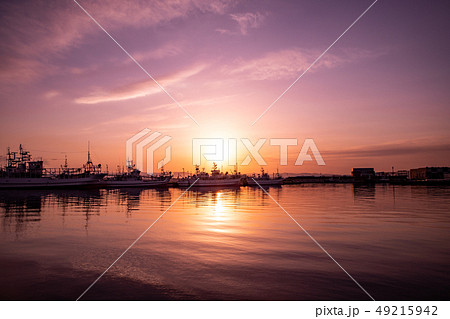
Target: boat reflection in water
226, 244
22, 208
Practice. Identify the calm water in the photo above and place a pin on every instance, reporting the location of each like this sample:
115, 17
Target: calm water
227, 244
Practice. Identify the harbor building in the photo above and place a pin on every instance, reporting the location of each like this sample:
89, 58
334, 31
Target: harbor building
430, 173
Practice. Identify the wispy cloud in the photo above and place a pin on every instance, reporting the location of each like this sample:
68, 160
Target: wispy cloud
290, 63
166, 50
51, 94
401, 148
141, 88
142, 119
248, 20
148, 116
209, 101
245, 21
18, 70
36, 31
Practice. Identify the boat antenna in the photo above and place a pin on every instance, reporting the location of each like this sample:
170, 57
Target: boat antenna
89, 151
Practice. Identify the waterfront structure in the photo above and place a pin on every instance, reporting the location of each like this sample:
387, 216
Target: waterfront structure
430, 173
363, 174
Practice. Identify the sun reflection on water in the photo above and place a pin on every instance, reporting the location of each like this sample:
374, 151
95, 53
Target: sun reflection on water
218, 216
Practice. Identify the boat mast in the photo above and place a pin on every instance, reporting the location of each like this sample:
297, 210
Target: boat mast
89, 167
89, 153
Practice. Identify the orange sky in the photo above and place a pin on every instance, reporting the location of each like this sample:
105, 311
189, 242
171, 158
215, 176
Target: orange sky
378, 98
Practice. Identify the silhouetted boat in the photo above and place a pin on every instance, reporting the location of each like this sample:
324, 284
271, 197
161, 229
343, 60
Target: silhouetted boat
133, 178
21, 172
264, 179
215, 179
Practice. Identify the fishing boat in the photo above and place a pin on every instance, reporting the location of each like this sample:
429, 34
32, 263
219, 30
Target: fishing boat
264, 179
133, 178
215, 179
22, 172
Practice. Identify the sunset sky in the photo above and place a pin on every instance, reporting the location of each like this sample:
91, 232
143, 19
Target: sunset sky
378, 98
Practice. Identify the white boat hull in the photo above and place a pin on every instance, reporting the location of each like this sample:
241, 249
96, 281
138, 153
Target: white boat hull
226, 182
137, 183
48, 182
264, 182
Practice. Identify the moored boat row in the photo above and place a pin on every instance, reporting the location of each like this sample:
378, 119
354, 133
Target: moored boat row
216, 178
264, 179
133, 178
23, 172
219, 179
